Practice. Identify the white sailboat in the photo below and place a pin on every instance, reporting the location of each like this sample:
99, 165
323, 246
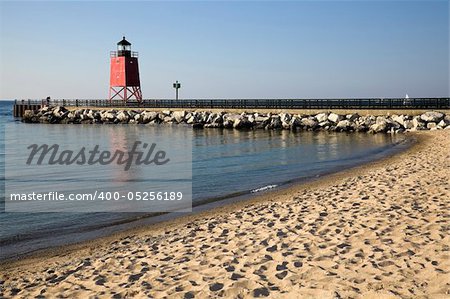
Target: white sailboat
406, 101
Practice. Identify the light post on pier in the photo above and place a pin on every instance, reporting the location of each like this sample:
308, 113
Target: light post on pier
176, 85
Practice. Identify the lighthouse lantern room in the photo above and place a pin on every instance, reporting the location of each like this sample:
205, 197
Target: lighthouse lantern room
124, 76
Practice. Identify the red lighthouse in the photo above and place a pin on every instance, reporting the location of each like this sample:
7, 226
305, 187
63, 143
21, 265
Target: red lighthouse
124, 79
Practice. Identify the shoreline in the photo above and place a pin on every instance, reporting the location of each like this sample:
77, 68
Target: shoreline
207, 206
392, 274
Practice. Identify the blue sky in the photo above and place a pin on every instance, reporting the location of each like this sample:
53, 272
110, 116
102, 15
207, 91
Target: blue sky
269, 49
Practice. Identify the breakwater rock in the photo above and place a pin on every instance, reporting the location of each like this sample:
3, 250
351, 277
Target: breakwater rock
431, 120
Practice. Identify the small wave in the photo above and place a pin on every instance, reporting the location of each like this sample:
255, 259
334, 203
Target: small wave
263, 188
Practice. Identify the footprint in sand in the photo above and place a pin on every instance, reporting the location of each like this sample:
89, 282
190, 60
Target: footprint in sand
216, 287
261, 292
281, 275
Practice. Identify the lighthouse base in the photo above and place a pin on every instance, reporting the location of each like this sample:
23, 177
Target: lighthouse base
125, 93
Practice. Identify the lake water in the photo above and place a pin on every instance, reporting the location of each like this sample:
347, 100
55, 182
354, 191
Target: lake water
225, 164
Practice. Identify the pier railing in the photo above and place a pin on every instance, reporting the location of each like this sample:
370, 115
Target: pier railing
368, 103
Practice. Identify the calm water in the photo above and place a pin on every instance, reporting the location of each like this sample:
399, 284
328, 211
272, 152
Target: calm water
226, 163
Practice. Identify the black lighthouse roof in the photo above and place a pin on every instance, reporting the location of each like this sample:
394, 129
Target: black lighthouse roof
124, 42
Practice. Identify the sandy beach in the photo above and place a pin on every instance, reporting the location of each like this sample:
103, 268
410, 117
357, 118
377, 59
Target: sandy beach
376, 231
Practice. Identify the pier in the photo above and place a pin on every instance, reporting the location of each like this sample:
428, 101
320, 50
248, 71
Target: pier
327, 104
20, 106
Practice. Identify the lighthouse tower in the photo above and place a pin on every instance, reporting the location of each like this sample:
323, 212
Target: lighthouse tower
124, 77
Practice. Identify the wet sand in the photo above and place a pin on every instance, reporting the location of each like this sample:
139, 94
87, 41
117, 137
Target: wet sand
376, 231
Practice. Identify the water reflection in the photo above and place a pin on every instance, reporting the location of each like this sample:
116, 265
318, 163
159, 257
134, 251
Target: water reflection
119, 141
